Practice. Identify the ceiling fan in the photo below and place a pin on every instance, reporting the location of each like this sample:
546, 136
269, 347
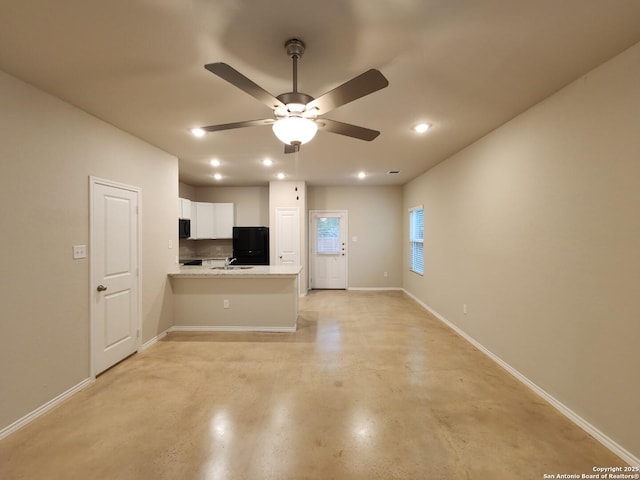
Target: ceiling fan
296, 114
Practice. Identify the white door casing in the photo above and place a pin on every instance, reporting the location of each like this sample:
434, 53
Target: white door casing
328, 249
115, 280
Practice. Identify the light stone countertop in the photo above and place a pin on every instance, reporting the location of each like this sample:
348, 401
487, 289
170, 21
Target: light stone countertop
258, 271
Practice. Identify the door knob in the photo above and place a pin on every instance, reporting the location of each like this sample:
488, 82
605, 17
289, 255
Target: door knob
101, 288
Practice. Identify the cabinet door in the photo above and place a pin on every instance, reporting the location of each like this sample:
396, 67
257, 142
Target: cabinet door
224, 220
204, 220
185, 208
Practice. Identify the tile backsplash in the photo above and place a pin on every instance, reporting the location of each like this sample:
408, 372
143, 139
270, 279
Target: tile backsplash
205, 248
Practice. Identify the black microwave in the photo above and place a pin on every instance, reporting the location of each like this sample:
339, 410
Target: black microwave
184, 228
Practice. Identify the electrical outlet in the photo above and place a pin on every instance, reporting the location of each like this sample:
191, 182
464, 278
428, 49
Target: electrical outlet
79, 251
225, 303
464, 308
170, 243
385, 274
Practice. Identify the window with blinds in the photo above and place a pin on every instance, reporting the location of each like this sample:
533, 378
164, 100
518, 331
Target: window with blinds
416, 240
328, 236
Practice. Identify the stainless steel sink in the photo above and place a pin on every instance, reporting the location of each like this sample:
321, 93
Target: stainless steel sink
233, 267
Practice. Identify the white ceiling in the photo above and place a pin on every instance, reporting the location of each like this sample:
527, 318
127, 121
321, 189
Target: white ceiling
465, 66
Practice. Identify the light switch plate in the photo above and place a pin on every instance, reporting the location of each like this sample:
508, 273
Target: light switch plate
79, 251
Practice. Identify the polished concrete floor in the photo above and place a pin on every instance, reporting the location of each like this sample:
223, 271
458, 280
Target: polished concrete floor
369, 387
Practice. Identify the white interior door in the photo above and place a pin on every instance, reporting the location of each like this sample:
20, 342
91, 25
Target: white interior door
287, 236
328, 242
114, 273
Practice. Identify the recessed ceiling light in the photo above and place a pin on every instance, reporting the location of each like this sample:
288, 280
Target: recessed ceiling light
421, 127
267, 162
214, 162
217, 176
361, 175
281, 176
198, 132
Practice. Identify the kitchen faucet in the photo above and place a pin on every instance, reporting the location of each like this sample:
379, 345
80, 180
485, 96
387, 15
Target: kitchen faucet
229, 260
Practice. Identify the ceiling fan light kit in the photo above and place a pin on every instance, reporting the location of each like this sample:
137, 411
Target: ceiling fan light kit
295, 113
295, 130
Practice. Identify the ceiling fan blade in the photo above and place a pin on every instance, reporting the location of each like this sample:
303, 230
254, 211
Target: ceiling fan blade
229, 126
364, 84
291, 148
347, 129
236, 79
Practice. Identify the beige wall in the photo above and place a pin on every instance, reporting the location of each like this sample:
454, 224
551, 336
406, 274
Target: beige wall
536, 227
375, 218
186, 191
48, 150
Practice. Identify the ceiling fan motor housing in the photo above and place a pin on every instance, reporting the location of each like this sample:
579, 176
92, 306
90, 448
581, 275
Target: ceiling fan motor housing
295, 103
294, 47
294, 97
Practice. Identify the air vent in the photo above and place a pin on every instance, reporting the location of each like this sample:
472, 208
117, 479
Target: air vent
393, 172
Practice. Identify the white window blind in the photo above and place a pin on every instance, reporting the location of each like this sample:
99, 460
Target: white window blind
328, 236
416, 239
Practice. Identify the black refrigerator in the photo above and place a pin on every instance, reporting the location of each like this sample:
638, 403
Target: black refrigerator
251, 245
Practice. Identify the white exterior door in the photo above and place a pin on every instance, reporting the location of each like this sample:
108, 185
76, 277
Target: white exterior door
287, 236
328, 244
114, 273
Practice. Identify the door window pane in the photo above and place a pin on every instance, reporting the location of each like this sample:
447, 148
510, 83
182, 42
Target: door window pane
328, 236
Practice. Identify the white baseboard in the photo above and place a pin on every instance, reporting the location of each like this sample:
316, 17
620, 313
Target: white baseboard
30, 417
374, 289
614, 447
154, 340
181, 328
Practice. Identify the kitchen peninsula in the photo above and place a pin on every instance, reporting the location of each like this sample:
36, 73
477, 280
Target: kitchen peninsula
258, 298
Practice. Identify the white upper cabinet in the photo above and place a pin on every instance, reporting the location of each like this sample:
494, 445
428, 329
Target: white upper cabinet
204, 220
224, 220
211, 220
184, 208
